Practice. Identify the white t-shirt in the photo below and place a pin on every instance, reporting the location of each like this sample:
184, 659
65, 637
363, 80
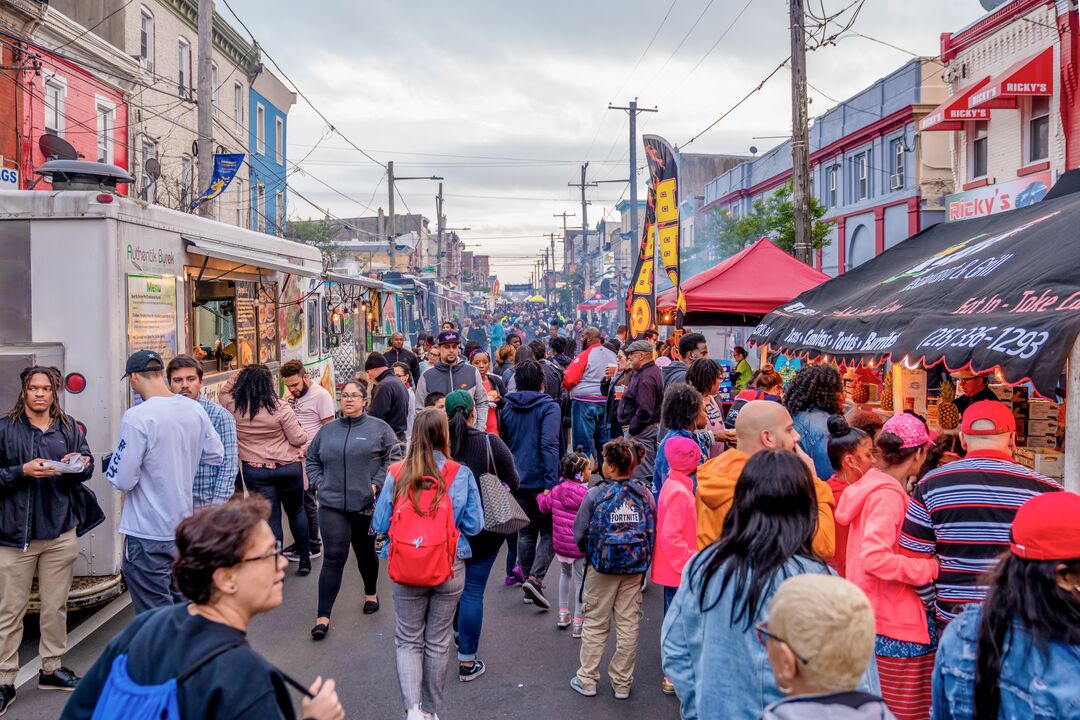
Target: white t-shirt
162, 442
312, 408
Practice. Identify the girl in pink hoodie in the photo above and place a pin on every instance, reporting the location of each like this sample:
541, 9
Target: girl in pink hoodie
874, 507
676, 521
563, 503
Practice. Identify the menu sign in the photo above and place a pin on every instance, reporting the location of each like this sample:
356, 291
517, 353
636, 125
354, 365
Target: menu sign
266, 309
246, 332
151, 314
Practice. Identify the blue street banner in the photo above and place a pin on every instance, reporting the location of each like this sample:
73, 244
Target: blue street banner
225, 169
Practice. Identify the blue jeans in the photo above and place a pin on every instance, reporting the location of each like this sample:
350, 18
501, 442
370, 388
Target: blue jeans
589, 427
470, 617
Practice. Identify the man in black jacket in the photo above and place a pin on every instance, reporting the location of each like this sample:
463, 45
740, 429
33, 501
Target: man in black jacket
389, 398
42, 511
397, 352
639, 409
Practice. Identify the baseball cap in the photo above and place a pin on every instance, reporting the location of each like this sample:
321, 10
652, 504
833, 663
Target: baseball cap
638, 346
992, 411
459, 401
908, 428
965, 374
447, 337
1045, 527
143, 361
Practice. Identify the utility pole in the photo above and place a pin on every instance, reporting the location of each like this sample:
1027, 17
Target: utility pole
390, 180
565, 253
800, 142
633, 111
439, 223
204, 107
584, 221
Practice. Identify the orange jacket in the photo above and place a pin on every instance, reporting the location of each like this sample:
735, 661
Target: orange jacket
716, 489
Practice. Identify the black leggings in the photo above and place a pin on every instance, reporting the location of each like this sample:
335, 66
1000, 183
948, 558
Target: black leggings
339, 531
283, 485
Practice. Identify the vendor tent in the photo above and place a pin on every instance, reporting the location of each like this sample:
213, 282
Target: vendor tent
597, 303
743, 288
536, 299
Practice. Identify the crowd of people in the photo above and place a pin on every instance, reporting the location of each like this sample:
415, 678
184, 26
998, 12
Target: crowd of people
814, 560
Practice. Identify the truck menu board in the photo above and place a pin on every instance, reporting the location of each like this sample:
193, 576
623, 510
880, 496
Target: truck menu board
246, 332
151, 314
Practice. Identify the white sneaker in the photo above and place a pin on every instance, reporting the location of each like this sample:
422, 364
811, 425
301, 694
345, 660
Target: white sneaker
414, 713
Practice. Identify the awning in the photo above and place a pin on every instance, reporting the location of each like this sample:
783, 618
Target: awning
1031, 76
360, 281
597, 304
244, 256
954, 112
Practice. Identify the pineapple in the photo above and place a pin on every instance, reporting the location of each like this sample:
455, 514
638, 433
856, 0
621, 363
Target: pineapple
860, 392
886, 391
948, 413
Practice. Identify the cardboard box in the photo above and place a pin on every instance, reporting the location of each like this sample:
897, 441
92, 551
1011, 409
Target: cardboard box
1046, 461
1042, 442
1042, 410
1042, 427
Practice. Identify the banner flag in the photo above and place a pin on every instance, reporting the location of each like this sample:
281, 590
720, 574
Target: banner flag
641, 296
225, 169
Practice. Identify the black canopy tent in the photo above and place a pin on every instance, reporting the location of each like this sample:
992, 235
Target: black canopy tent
998, 292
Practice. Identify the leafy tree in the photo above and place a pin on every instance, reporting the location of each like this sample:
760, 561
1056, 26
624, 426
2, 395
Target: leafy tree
317, 233
772, 217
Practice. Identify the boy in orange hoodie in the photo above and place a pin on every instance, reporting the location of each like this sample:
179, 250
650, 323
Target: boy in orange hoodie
761, 425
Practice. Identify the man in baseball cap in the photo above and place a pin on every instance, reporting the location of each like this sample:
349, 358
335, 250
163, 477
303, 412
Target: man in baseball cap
452, 373
979, 493
975, 388
143, 361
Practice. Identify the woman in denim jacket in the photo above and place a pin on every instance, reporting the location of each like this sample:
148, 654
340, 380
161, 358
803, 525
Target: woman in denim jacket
710, 650
1018, 654
815, 393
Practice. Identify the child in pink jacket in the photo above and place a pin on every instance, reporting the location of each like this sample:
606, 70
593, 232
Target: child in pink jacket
563, 503
676, 521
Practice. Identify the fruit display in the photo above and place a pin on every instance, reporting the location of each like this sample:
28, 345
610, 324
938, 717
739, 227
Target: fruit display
860, 392
887, 391
948, 413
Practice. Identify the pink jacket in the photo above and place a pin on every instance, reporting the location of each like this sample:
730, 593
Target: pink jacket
873, 507
676, 530
563, 504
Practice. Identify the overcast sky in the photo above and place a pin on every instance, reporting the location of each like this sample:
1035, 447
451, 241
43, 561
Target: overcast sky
505, 99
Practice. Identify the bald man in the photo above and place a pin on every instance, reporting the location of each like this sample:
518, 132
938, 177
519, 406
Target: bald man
761, 425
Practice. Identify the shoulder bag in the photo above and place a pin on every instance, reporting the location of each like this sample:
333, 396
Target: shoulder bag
502, 514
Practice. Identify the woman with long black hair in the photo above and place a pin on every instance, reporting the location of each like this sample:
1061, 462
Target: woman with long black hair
1022, 645
710, 651
270, 444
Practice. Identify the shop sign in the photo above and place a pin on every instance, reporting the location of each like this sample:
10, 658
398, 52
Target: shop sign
151, 258
151, 314
9, 179
998, 198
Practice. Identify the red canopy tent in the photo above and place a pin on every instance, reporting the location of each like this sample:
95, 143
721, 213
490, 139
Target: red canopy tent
744, 288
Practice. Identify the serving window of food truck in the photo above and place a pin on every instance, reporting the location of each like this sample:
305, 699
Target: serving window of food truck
233, 322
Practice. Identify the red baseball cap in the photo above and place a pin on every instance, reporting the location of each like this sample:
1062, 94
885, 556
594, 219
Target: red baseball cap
990, 410
1045, 527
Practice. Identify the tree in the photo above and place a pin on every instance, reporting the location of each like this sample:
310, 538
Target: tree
772, 217
316, 233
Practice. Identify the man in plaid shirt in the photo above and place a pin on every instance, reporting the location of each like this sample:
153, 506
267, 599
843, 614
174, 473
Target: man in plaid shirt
214, 484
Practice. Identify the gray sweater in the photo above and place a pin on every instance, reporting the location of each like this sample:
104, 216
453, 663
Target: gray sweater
346, 458
446, 378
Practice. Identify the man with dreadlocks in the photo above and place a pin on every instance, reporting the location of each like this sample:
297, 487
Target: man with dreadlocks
41, 514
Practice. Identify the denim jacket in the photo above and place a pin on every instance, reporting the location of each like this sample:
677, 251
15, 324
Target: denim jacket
813, 427
1033, 685
464, 494
720, 670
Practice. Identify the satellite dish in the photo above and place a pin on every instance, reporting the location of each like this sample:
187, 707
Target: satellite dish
753, 149
153, 168
57, 148
991, 4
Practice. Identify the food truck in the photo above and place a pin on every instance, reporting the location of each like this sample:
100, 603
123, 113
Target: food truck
90, 277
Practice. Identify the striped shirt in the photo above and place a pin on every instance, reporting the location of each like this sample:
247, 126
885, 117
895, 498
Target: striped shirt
962, 512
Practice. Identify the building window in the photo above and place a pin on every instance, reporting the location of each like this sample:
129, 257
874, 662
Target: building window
238, 107
860, 248
260, 129
183, 60
146, 39
279, 213
834, 183
260, 207
980, 132
279, 140
185, 181
861, 176
1038, 127
241, 202
55, 91
105, 128
215, 99
146, 182
896, 171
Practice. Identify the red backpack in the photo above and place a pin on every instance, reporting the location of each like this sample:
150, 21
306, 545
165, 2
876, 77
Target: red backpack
423, 545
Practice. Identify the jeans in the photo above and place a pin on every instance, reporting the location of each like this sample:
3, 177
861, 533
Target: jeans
589, 427
470, 617
147, 569
511, 553
534, 549
669, 595
341, 530
283, 485
570, 576
422, 634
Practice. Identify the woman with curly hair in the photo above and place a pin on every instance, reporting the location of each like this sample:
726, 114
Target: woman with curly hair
815, 393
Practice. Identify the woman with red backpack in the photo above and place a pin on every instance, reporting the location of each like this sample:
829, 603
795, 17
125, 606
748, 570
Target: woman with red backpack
427, 506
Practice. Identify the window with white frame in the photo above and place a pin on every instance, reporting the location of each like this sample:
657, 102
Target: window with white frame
980, 137
279, 140
215, 99
186, 168
106, 112
183, 60
1038, 129
861, 176
241, 202
55, 92
896, 169
279, 213
260, 207
238, 107
146, 38
834, 185
146, 181
260, 129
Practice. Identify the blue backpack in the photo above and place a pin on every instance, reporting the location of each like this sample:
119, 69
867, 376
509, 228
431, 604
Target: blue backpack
123, 699
621, 531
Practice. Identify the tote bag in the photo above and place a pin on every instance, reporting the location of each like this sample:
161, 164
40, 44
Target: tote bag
502, 514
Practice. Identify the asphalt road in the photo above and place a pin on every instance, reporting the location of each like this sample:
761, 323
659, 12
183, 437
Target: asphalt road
529, 661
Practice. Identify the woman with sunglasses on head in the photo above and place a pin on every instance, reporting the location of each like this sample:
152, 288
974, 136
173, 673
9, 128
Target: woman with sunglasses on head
710, 652
874, 507
346, 464
230, 566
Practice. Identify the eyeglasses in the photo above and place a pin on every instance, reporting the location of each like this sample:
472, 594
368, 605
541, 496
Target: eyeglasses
351, 396
763, 634
277, 552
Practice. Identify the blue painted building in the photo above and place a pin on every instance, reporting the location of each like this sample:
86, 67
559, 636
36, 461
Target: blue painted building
269, 102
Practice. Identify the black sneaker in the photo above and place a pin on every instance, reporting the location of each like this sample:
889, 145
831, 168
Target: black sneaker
7, 697
60, 679
535, 591
292, 555
467, 673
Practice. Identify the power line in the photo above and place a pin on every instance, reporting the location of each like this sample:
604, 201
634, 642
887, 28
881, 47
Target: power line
679, 46
95, 26
744, 98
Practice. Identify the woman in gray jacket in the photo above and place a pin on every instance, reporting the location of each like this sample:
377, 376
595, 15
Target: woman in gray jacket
346, 464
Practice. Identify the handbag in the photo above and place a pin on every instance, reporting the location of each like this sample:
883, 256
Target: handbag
502, 513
